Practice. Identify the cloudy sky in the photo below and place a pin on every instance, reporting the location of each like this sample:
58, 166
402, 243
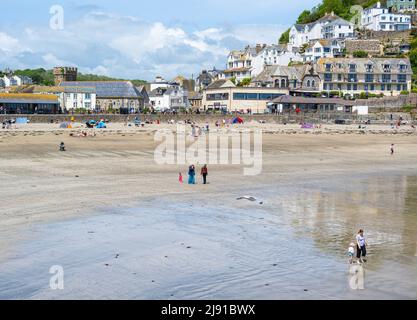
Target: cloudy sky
138, 39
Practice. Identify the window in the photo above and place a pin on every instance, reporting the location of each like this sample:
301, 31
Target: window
369, 68
218, 96
353, 77
328, 67
339, 77
313, 83
386, 78
369, 78
402, 78
352, 68
75, 96
87, 96
308, 83
328, 77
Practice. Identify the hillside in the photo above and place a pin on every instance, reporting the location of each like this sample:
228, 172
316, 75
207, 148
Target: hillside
341, 8
46, 77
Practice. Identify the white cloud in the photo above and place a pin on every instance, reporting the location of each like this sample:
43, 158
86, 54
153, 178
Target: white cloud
10, 45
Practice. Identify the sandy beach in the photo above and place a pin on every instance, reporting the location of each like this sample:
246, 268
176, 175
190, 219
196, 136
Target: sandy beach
107, 190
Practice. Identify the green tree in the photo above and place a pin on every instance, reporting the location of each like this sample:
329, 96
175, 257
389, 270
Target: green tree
360, 54
245, 82
285, 37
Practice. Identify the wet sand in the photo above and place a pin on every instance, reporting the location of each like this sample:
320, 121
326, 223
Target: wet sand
122, 226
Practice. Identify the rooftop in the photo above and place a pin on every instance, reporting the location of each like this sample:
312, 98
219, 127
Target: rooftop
107, 89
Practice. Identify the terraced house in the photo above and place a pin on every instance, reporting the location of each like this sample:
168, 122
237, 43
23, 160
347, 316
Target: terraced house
372, 75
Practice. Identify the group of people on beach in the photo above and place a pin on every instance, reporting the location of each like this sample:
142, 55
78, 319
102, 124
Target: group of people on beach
360, 247
192, 174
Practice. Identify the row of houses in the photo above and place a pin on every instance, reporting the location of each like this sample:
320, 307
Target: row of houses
328, 77
75, 96
14, 80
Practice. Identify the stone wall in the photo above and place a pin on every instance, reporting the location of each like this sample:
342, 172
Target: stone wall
289, 118
373, 47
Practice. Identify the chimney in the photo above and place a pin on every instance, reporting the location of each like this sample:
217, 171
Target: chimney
258, 48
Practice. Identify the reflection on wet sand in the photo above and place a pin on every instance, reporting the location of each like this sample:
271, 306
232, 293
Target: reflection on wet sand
292, 247
384, 206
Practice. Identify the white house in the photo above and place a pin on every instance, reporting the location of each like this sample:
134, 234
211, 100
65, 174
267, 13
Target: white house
322, 49
170, 98
239, 63
378, 18
328, 27
273, 55
79, 98
9, 81
22, 80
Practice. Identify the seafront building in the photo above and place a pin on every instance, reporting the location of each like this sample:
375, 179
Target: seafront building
172, 98
119, 96
388, 77
28, 103
224, 95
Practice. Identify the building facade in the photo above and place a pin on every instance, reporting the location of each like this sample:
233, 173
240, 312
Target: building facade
28, 103
112, 96
172, 98
378, 18
328, 27
401, 5
79, 98
224, 96
325, 48
273, 55
370, 75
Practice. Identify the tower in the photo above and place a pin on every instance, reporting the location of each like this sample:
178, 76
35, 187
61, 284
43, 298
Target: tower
65, 74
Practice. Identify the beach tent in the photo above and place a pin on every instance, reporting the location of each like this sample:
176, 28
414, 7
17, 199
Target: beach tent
21, 120
101, 125
65, 125
238, 120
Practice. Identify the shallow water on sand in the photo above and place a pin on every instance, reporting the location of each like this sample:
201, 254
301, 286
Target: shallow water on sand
291, 247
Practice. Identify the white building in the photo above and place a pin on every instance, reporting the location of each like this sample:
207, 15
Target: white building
79, 98
22, 80
239, 64
9, 81
378, 18
328, 27
273, 55
170, 98
322, 49
159, 83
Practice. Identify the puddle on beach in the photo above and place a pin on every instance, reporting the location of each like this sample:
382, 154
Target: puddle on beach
291, 247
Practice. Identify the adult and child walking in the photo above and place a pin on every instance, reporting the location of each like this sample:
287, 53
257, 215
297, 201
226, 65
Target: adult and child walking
192, 174
360, 247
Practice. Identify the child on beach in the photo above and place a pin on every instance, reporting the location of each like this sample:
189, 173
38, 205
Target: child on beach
392, 149
351, 252
181, 178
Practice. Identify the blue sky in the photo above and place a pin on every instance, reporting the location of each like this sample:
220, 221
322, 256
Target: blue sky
139, 40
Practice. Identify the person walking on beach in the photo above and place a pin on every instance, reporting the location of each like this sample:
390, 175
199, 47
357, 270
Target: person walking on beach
392, 149
191, 175
361, 246
204, 173
180, 178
